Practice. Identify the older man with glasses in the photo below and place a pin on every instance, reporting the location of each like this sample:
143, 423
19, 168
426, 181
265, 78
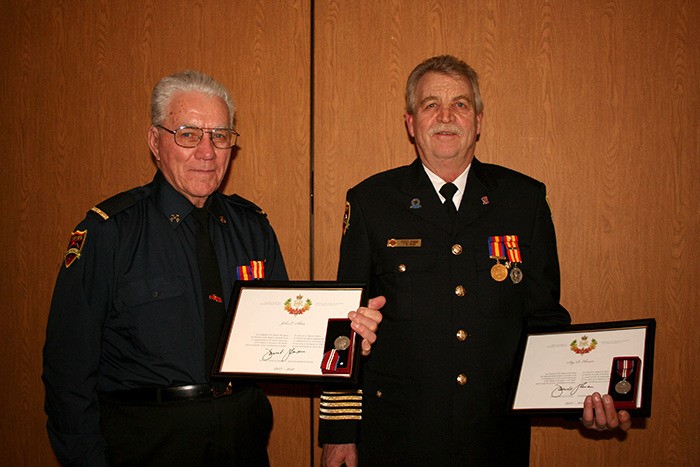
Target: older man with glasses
140, 299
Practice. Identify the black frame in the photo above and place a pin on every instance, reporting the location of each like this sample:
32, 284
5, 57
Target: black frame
648, 361
350, 376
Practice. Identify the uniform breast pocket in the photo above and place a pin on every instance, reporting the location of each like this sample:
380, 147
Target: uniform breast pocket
150, 313
409, 282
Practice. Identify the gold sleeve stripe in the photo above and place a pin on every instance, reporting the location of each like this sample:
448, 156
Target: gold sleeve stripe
100, 212
348, 397
345, 411
341, 404
340, 417
358, 391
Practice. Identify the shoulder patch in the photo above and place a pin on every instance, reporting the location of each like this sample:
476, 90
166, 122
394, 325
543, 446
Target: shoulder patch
75, 247
240, 201
119, 202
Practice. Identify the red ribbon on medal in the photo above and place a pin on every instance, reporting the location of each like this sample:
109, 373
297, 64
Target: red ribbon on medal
496, 248
512, 248
256, 270
625, 368
330, 361
243, 273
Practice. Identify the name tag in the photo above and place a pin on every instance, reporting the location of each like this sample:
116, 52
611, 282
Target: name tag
404, 242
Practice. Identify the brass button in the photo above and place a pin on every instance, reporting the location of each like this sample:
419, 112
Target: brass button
379, 394
462, 335
402, 268
461, 379
459, 291
456, 249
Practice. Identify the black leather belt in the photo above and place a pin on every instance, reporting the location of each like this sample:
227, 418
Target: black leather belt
170, 394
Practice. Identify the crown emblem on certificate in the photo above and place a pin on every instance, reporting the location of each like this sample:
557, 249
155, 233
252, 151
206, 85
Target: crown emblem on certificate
505, 248
297, 305
583, 346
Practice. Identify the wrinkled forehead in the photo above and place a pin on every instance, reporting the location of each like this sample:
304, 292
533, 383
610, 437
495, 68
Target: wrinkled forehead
440, 85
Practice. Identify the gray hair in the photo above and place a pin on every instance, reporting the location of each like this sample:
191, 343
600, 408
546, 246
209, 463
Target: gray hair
186, 81
446, 65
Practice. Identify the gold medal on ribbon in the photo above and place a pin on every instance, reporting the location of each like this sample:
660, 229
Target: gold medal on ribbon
499, 271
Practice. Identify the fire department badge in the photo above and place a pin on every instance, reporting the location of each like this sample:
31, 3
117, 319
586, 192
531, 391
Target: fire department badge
75, 247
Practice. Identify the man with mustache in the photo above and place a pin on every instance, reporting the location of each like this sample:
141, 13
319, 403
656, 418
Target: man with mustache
436, 387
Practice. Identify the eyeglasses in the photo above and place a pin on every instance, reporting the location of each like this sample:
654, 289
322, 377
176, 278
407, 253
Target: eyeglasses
190, 136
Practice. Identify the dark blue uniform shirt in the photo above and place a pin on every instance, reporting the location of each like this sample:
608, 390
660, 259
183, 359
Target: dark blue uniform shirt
127, 308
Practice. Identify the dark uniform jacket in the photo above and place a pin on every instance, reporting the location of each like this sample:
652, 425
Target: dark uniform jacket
127, 309
436, 384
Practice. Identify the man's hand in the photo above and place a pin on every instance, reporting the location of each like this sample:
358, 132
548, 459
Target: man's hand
599, 414
365, 322
335, 455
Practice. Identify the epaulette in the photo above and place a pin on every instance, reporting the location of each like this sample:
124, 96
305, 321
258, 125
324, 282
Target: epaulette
119, 202
240, 201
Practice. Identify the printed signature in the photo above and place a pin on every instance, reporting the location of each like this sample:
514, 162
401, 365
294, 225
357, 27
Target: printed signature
560, 390
281, 355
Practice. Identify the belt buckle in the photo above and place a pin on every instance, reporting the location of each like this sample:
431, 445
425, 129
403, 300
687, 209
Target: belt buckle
227, 391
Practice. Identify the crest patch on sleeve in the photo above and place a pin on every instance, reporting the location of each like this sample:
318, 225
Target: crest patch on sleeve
75, 247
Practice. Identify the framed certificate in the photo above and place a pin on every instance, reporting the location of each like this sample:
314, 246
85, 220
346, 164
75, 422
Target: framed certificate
559, 367
290, 331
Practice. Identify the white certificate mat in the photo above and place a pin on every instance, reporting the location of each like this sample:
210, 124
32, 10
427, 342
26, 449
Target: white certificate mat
558, 369
280, 330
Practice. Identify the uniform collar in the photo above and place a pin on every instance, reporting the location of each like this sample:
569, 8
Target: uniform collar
426, 203
460, 182
176, 207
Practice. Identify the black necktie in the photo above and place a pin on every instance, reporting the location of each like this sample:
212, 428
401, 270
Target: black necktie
212, 294
448, 190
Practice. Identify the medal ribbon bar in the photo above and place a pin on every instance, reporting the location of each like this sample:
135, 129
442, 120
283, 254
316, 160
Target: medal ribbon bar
512, 248
496, 248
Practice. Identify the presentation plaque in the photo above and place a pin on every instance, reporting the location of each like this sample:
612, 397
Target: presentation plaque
290, 331
559, 367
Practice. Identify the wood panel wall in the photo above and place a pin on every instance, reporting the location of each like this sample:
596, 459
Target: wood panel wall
600, 100
76, 80
597, 99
